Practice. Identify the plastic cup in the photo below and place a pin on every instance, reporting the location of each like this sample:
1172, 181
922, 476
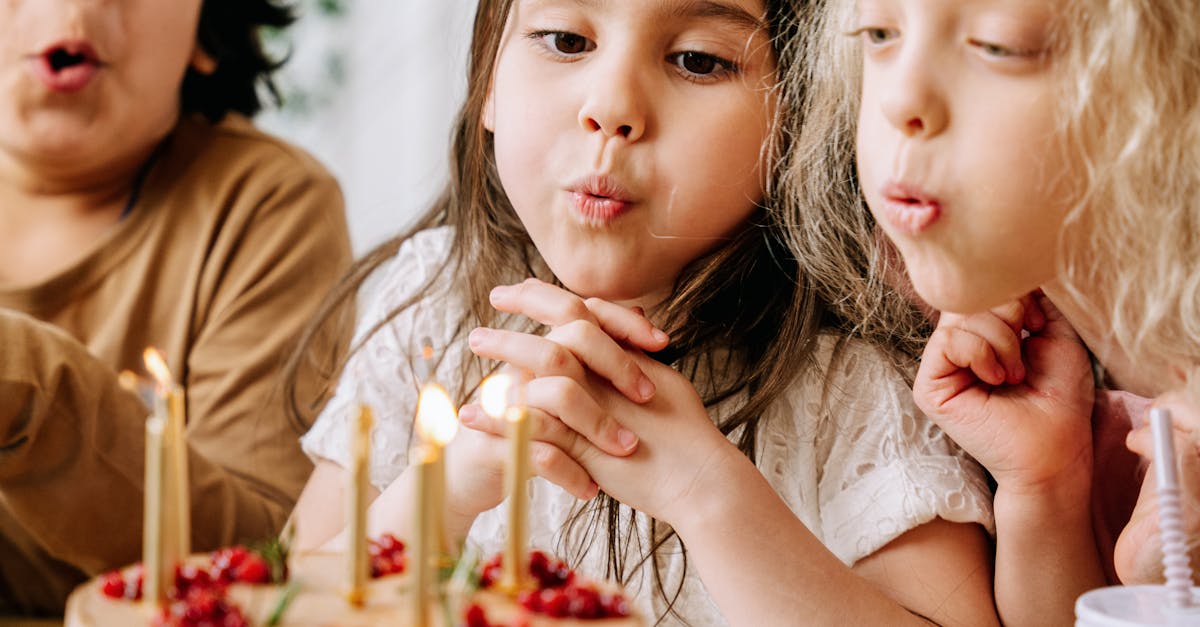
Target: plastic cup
1133, 606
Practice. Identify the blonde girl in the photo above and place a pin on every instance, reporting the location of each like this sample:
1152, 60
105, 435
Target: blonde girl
1037, 164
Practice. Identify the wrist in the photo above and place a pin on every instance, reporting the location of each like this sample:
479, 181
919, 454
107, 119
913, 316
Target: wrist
1064, 496
726, 482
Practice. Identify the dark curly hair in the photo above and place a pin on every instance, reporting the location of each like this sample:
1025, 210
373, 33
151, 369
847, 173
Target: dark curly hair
230, 32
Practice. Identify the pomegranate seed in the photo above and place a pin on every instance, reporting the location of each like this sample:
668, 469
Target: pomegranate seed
253, 569
555, 603
475, 616
112, 585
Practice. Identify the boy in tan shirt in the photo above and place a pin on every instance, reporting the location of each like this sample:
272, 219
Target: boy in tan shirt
139, 207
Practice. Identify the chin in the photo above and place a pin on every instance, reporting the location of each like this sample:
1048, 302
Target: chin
611, 288
967, 296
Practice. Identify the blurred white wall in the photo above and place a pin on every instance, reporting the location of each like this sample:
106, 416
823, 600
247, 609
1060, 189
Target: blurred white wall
383, 128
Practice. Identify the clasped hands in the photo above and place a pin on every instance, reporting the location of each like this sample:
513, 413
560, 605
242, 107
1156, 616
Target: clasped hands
603, 414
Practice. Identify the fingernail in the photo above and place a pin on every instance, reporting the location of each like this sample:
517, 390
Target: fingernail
499, 292
467, 415
626, 438
660, 336
593, 490
1001, 374
477, 337
645, 388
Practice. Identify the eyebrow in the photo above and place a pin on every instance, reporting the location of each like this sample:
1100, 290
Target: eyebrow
700, 9
705, 9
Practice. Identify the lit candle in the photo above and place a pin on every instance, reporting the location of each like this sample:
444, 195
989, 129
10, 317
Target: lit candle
421, 559
435, 424
494, 398
169, 405
153, 559
358, 570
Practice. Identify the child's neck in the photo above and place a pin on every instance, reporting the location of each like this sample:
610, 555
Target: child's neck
48, 220
1121, 371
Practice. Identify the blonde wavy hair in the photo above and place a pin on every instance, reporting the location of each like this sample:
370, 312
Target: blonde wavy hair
1130, 120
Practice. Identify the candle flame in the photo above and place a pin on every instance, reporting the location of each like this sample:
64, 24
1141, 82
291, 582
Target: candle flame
156, 364
437, 420
493, 394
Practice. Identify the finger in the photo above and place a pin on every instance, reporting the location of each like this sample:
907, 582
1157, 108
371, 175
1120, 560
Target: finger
1003, 339
1035, 318
597, 351
628, 325
554, 306
570, 403
1012, 314
542, 426
557, 467
549, 439
548, 304
1056, 323
988, 346
1141, 441
534, 353
945, 374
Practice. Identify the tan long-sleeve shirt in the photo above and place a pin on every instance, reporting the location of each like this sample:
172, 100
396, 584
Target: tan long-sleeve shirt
234, 240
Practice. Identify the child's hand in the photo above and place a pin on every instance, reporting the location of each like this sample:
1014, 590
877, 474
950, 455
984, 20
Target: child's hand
680, 451
1138, 554
476, 458
576, 366
475, 462
1025, 417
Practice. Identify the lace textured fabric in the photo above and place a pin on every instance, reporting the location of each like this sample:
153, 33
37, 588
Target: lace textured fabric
845, 446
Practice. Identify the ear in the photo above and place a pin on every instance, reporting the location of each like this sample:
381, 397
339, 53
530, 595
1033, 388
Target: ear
202, 62
489, 110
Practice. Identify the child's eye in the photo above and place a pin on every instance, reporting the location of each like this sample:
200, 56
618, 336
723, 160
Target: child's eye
698, 65
995, 50
876, 35
563, 43
1004, 53
879, 35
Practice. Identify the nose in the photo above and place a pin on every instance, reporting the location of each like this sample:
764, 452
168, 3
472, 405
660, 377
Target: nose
914, 102
614, 105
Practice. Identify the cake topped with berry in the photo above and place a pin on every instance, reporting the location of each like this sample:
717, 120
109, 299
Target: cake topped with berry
239, 586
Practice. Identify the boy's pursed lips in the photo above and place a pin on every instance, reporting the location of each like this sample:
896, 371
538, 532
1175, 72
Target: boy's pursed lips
66, 65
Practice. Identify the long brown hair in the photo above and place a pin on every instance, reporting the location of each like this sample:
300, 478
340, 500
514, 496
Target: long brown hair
748, 298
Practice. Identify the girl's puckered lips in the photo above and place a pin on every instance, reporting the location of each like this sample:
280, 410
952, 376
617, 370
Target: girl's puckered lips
66, 66
909, 209
599, 199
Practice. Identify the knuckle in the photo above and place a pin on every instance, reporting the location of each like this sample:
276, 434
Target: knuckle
630, 370
555, 358
544, 458
574, 309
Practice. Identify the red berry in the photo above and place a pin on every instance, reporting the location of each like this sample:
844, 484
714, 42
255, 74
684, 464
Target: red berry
475, 616
253, 569
112, 585
555, 603
530, 600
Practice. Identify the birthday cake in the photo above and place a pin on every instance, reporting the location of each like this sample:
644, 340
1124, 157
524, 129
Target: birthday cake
236, 587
